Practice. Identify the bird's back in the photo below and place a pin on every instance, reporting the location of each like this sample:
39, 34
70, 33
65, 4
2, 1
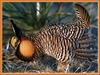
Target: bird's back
60, 41
64, 42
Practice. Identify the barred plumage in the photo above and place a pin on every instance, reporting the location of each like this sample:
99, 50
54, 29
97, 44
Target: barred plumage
63, 42
82, 16
66, 35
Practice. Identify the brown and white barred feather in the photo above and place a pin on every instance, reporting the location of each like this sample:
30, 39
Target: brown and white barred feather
82, 16
66, 51
60, 41
64, 42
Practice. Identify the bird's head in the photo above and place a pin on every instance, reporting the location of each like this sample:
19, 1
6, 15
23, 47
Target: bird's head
24, 48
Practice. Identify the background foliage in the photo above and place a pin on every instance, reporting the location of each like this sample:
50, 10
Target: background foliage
24, 15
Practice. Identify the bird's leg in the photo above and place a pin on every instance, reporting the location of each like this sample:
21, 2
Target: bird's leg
67, 68
61, 67
80, 67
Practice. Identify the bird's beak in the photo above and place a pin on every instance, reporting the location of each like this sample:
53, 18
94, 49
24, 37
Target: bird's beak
16, 30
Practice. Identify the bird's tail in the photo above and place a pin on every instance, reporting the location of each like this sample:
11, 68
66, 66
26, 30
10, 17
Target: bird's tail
82, 16
87, 48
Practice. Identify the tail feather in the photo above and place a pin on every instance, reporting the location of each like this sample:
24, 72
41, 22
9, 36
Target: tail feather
89, 56
87, 49
88, 42
82, 15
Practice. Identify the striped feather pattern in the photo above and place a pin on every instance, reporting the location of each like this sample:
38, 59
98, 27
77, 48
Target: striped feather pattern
66, 42
63, 48
82, 16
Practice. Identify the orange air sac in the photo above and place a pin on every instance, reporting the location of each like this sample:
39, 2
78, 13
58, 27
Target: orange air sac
27, 48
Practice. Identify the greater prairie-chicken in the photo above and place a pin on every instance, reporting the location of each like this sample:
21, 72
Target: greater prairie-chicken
66, 43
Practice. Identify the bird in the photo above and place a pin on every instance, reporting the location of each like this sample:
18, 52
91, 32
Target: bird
67, 43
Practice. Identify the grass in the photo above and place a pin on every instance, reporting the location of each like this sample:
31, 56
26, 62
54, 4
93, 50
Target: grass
13, 64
